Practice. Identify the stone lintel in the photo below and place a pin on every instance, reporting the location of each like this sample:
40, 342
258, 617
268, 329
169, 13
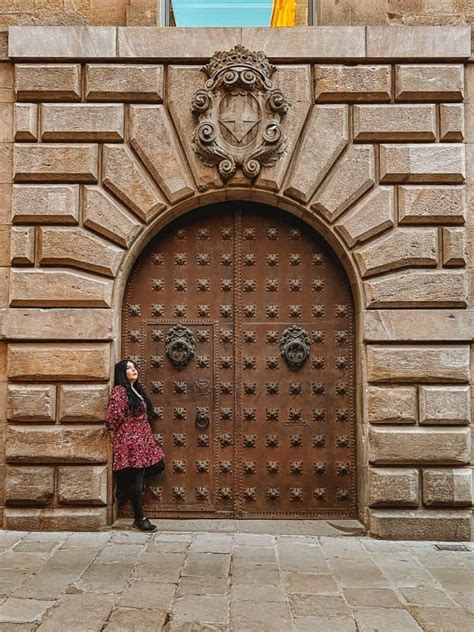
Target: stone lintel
419, 325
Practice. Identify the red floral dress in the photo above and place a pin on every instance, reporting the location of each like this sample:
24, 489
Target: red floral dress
133, 442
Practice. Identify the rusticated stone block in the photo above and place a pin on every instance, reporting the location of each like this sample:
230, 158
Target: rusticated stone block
78, 248
445, 405
7, 127
413, 42
7, 94
372, 215
423, 363
31, 402
29, 485
4, 245
324, 138
106, 216
52, 82
352, 83
56, 444
392, 405
58, 288
59, 324
45, 204
22, 246
124, 82
82, 122
412, 288
56, 519
394, 122
82, 485
447, 487
62, 42
419, 446
432, 205
403, 524
401, 248
153, 138
82, 402
430, 82
451, 122
26, 121
124, 176
4, 286
351, 177
55, 163
6, 162
403, 325
454, 247
443, 163
46, 362
393, 487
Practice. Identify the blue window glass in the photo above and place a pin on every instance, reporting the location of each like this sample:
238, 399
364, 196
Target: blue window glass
221, 12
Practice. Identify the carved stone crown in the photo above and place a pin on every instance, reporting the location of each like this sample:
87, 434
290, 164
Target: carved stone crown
241, 58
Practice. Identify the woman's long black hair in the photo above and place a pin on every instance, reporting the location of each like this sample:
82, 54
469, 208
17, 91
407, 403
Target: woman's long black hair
134, 402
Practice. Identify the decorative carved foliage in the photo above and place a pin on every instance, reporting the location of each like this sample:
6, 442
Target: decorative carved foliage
156, 387
272, 440
272, 388
341, 336
134, 310
249, 414
250, 336
239, 114
272, 493
273, 467
179, 465
202, 466
179, 439
342, 414
226, 285
178, 493
225, 467
296, 494
272, 414
226, 414
157, 310
226, 362
319, 414
342, 441
320, 469
342, 469
296, 440
320, 493
296, 467
249, 467
180, 413
272, 336
294, 388
202, 441
249, 362
319, 441
225, 440
294, 259
250, 493
250, 441
225, 493
272, 260
202, 493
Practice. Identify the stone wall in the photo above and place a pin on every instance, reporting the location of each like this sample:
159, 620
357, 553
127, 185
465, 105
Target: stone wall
96, 157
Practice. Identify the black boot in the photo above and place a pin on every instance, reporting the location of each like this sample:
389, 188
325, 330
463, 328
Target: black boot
144, 525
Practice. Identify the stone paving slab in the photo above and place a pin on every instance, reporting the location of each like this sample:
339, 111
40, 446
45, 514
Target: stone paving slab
218, 581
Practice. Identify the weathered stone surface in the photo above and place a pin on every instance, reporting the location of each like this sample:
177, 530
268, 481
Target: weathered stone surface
7, 126
6, 162
407, 42
56, 519
125, 178
91, 610
451, 122
351, 177
82, 402
56, 444
445, 405
353, 83
393, 487
127, 619
26, 121
55, 163
45, 204
58, 288
58, 324
432, 205
22, 246
429, 82
78, 248
106, 216
82, 122
5, 245
153, 138
45, 362
420, 525
19, 611
124, 82
394, 122
423, 363
447, 619
29, 485
82, 485
182, 82
419, 446
403, 325
52, 82
443, 163
7, 94
401, 248
371, 216
325, 136
417, 289
31, 402
447, 487
392, 405
61, 42
454, 247
295, 82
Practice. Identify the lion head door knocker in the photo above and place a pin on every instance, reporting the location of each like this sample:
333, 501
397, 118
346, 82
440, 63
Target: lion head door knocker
239, 114
295, 346
180, 346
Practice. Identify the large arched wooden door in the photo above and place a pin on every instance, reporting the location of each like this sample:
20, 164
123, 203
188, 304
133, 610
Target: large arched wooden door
248, 430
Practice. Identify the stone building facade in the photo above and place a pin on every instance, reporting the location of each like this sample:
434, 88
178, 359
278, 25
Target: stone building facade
101, 159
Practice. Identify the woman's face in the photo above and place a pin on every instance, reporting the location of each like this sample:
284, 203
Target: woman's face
132, 373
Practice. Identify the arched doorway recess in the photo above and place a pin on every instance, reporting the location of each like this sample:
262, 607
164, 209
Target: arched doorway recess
217, 311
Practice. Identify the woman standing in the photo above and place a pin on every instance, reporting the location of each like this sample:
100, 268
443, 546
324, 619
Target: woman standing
136, 454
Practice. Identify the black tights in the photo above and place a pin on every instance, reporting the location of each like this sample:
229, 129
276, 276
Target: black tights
130, 484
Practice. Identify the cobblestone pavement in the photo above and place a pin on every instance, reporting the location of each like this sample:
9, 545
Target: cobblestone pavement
196, 582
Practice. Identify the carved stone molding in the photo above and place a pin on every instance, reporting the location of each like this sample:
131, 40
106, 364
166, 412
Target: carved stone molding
239, 114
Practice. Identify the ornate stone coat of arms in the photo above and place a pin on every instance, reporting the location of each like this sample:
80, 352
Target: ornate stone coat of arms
239, 114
